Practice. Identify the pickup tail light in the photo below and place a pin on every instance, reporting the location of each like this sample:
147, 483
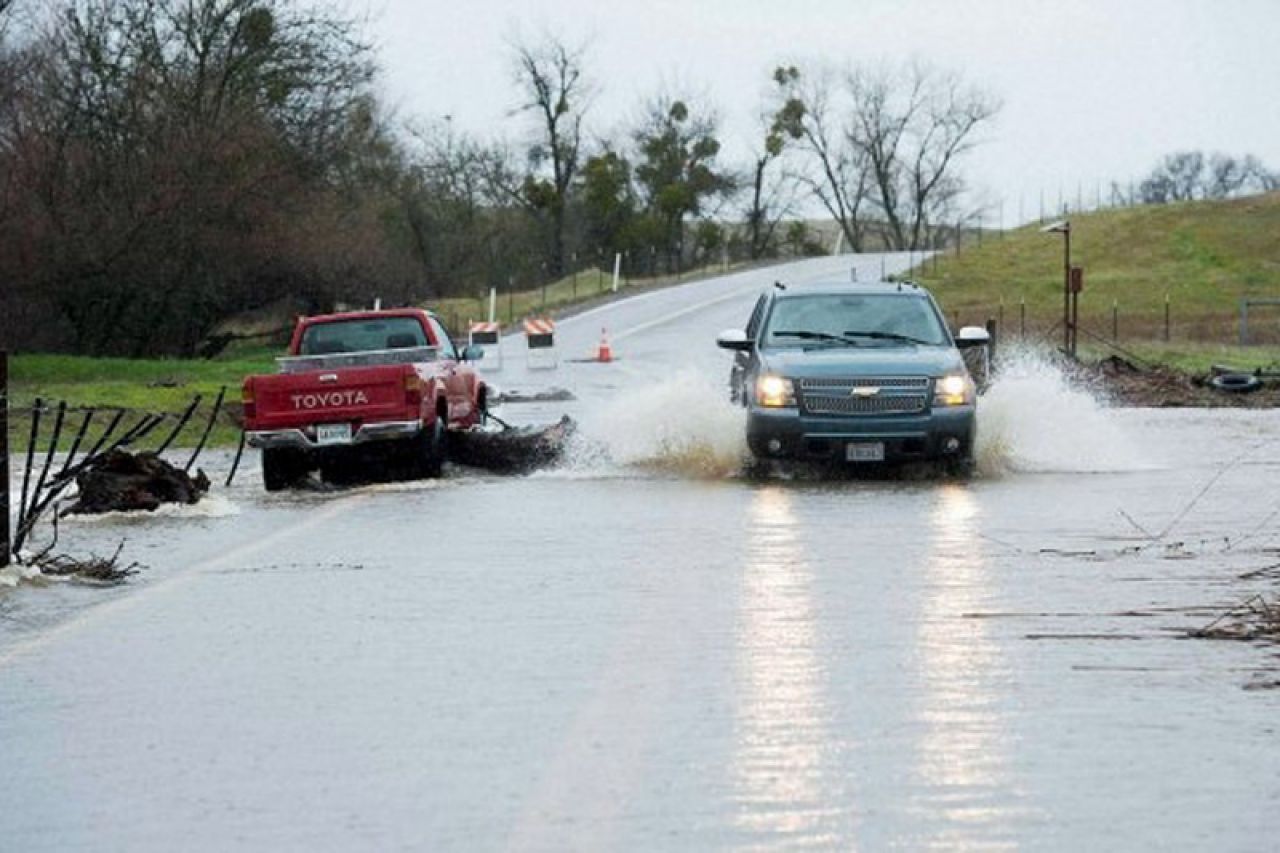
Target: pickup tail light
413, 389
247, 398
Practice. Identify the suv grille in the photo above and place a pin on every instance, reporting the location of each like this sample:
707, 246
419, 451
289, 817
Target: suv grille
894, 395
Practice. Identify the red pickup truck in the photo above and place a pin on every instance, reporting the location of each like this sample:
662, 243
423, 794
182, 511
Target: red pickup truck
363, 393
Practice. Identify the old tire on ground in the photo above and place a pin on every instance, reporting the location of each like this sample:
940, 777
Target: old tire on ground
1236, 383
281, 468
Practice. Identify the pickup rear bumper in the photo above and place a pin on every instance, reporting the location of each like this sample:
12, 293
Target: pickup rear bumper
302, 439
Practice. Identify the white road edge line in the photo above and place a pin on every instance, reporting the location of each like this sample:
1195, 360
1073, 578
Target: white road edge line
174, 581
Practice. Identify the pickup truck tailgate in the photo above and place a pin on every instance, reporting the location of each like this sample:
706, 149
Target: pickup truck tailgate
352, 395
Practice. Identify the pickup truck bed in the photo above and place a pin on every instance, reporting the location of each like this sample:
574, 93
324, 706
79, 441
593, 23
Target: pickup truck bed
362, 413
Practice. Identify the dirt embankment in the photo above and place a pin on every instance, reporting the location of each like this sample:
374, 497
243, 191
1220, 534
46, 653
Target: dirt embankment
1126, 383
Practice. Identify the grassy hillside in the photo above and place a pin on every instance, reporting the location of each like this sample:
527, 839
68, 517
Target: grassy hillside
1204, 256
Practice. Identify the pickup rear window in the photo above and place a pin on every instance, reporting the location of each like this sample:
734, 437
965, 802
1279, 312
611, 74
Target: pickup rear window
362, 336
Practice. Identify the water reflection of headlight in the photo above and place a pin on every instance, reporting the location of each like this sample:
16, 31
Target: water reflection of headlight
782, 714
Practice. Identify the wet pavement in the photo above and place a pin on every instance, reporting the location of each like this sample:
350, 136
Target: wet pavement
646, 650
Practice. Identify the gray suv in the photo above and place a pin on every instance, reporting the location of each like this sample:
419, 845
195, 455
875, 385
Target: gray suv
854, 373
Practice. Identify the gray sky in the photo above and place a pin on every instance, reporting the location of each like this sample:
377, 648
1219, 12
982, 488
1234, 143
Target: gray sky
1093, 90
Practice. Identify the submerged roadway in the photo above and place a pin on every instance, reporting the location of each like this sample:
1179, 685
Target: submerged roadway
644, 650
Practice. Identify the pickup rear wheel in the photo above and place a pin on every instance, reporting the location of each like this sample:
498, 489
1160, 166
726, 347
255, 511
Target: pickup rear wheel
432, 448
281, 468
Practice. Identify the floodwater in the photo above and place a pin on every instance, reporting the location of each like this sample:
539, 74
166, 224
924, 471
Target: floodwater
646, 650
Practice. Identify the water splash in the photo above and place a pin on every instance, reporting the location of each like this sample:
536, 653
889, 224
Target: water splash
682, 425
1033, 419
210, 506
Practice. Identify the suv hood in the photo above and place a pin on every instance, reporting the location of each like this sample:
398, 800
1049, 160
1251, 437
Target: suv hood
864, 361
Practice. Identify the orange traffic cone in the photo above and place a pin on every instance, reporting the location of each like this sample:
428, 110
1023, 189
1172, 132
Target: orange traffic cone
604, 353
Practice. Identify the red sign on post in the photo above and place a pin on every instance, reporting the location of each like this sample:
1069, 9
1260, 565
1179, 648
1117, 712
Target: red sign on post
1077, 279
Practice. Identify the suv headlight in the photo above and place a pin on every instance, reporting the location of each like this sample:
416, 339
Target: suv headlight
955, 389
775, 392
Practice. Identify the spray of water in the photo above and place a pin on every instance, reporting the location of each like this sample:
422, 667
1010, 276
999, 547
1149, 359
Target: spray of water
1033, 419
683, 425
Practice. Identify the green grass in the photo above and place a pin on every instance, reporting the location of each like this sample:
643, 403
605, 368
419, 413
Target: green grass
142, 385
1203, 256
1196, 358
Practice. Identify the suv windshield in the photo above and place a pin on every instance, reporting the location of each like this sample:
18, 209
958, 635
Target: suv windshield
872, 319
362, 336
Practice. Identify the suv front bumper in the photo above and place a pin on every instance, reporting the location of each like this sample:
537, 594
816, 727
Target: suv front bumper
942, 433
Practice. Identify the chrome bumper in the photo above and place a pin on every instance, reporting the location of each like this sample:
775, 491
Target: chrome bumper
300, 440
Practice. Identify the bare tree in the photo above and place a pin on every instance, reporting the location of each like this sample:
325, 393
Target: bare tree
912, 125
886, 146
1258, 177
772, 189
179, 161
838, 174
1191, 175
550, 76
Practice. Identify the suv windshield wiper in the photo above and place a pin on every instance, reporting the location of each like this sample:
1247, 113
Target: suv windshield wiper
888, 336
817, 336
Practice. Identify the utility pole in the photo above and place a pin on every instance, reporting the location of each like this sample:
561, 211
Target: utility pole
5, 538
1068, 323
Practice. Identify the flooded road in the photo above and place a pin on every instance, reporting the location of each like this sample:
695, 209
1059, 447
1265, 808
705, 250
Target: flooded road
645, 650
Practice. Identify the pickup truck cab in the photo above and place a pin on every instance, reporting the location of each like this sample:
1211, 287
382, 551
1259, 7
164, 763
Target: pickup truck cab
851, 373
362, 391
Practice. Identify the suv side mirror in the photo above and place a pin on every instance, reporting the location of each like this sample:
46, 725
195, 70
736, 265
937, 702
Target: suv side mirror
472, 352
972, 336
734, 339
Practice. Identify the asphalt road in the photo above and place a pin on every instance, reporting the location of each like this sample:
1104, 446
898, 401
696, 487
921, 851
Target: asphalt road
645, 651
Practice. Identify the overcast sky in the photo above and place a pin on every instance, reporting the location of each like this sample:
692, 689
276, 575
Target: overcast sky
1093, 90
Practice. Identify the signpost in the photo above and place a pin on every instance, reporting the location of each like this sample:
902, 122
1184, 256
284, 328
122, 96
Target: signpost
4, 459
1068, 320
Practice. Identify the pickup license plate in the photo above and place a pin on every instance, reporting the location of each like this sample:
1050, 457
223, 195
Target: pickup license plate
864, 451
333, 433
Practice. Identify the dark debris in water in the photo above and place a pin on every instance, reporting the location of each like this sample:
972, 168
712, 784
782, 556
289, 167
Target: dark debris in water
513, 451
102, 571
1129, 383
549, 395
120, 481
1254, 620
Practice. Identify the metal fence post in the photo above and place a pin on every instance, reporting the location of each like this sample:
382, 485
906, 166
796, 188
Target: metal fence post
5, 537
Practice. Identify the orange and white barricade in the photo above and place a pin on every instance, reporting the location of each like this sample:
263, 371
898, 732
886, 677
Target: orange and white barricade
488, 336
540, 332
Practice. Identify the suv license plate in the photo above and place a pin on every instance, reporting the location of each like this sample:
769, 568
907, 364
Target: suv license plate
869, 451
333, 433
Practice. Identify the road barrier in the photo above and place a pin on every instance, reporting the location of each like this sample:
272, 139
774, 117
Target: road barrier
540, 333
487, 335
